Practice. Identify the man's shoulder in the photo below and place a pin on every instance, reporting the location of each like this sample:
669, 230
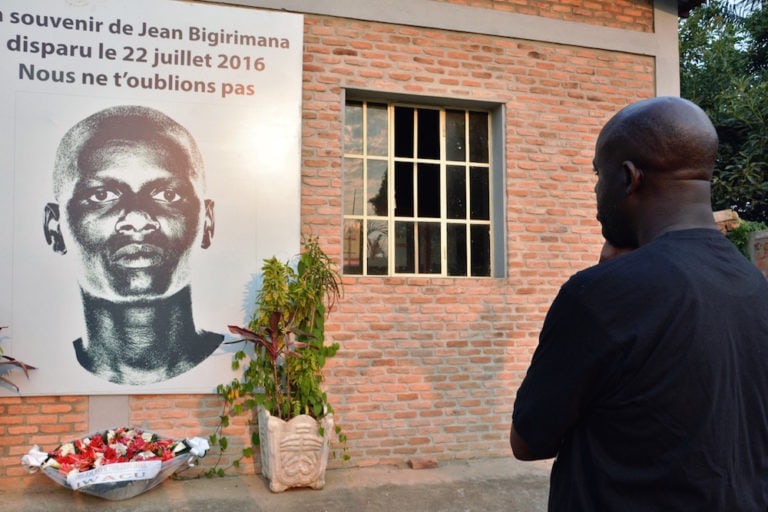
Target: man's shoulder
624, 270
651, 271
672, 264
665, 254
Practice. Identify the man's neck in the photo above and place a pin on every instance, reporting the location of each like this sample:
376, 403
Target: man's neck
685, 206
150, 339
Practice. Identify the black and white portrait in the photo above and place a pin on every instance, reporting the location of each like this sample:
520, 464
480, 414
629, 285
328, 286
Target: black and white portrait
130, 207
139, 229
136, 208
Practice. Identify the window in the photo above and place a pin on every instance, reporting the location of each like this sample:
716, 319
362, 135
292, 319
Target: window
417, 190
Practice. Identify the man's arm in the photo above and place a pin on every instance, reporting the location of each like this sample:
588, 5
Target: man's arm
565, 371
520, 448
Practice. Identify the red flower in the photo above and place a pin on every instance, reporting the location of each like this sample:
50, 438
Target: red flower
112, 447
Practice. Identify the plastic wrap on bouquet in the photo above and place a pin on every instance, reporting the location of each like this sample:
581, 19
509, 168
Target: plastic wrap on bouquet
107, 478
119, 481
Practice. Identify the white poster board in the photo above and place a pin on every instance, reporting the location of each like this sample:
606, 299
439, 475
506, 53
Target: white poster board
232, 78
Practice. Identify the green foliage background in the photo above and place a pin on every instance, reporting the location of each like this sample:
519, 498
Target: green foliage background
723, 68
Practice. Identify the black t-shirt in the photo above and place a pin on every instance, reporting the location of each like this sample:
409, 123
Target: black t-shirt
650, 382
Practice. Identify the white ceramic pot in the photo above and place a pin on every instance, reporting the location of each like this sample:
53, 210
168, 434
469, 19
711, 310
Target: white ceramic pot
293, 453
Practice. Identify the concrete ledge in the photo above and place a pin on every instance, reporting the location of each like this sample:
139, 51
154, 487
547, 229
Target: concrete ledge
486, 484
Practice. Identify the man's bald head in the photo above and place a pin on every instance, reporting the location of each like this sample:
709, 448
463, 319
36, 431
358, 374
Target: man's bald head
654, 160
665, 134
125, 125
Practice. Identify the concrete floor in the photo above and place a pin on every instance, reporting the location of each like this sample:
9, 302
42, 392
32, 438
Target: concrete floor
484, 485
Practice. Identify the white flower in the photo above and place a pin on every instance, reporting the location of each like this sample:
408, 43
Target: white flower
145, 455
66, 449
121, 449
147, 436
51, 463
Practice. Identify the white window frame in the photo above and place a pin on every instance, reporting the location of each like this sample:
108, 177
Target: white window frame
496, 190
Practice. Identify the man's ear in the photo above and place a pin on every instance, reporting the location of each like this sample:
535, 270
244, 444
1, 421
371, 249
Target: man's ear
633, 177
208, 224
52, 228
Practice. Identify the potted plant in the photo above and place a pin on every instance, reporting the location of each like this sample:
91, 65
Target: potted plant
8, 364
282, 367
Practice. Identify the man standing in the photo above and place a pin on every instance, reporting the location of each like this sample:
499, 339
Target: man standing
128, 183
650, 381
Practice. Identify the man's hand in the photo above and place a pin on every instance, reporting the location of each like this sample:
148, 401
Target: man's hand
609, 251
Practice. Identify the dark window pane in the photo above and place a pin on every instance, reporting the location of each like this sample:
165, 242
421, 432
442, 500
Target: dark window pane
479, 194
377, 130
455, 142
480, 245
429, 248
457, 137
457, 249
377, 187
456, 192
404, 132
478, 137
353, 247
404, 248
353, 128
378, 248
353, 186
403, 189
429, 133
428, 190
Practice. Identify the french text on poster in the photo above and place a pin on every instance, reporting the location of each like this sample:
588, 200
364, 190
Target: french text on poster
152, 60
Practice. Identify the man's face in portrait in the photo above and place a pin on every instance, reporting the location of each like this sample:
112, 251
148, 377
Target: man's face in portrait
132, 214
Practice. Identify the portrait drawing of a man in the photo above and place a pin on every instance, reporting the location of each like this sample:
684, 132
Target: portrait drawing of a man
130, 208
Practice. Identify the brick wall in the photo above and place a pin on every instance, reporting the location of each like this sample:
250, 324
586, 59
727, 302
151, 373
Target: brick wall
427, 366
624, 14
180, 416
45, 421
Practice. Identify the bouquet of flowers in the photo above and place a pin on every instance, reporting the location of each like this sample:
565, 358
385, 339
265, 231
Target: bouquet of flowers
116, 464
